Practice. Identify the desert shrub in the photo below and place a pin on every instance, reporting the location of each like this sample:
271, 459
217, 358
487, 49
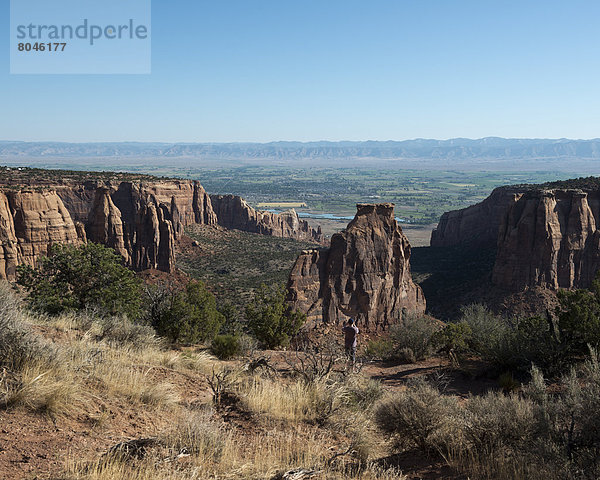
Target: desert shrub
19, 346
535, 434
413, 338
122, 331
271, 319
550, 343
317, 361
487, 329
497, 424
416, 334
568, 423
82, 277
380, 348
513, 345
454, 337
407, 342
418, 416
225, 347
536, 342
191, 317
248, 344
579, 319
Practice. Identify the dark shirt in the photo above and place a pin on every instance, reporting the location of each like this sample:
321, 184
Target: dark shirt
350, 334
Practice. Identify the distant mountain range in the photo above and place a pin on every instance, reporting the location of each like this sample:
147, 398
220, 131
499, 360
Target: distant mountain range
457, 148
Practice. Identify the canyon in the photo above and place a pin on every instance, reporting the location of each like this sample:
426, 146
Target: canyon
140, 218
546, 236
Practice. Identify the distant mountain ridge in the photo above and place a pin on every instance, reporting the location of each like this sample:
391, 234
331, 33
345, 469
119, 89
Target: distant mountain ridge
457, 148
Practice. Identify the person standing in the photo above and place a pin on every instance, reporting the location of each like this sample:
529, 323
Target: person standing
350, 331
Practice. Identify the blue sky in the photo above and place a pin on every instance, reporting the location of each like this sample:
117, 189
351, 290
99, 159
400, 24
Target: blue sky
258, 70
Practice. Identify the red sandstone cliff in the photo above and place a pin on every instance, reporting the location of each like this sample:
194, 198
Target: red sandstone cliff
233, 212
546, 235
476, 225
550, 239
141, 220
29, 223
365, 273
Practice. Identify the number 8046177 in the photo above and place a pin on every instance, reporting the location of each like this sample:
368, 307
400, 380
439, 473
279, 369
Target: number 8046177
42, 47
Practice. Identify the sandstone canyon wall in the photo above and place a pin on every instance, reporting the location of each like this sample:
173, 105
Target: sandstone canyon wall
550, 239
233, 212
476, 225
141, 220
29, 223
545, 237
364, 274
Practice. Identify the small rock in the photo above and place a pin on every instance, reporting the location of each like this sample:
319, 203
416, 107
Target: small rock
296, 474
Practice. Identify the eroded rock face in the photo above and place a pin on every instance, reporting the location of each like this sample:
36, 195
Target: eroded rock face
364, 274
105, 225
476, 225
233, 212
545, 237
549, 239
188, 202
9, 245
30, 222
140, 220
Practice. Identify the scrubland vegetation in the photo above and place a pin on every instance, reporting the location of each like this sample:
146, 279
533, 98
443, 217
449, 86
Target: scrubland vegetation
164, 407
276, 422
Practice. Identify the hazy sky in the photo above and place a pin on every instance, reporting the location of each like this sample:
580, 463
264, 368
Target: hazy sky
258, 70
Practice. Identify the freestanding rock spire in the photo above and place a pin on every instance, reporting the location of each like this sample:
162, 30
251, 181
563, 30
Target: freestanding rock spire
365, 273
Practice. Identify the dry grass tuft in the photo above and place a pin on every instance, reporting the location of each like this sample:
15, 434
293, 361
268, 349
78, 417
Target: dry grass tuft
53, 391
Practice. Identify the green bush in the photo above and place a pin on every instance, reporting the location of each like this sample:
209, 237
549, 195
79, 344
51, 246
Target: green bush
579, 319
89, 276
513, 345
413, 338
380, 348
226, 346
407, 342
270, 319
487, 329
551, 343
454, 337
191, 315
231, 313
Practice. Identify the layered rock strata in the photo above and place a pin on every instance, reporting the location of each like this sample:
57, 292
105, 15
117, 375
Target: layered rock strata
365, 274
30, 222
140, 220
549, 239
545, 237
234, 213
476, 225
